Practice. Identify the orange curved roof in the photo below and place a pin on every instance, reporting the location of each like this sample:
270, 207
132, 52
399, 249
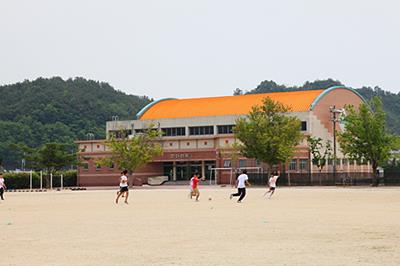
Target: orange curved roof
299, 101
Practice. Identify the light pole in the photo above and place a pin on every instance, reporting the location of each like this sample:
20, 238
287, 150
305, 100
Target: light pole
335, 113
89, 136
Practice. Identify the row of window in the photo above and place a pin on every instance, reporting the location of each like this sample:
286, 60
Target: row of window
173, 131
205, 130
85, 166
119, 134
193, 131
346, 162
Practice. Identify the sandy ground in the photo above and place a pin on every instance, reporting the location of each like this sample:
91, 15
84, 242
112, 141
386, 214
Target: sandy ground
299, 226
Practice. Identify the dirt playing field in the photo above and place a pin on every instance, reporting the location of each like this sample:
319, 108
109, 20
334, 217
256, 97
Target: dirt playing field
298, 226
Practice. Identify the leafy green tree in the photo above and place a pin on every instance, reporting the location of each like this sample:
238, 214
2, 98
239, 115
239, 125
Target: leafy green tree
55, 110
130, 153
268, 134
237, 92
320, 153
50, 157
365, 136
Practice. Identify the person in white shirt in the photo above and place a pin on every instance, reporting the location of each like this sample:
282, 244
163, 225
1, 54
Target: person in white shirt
241, 183
2, 186
123, 187
272, 183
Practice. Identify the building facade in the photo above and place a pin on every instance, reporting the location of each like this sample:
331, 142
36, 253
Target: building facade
197, 136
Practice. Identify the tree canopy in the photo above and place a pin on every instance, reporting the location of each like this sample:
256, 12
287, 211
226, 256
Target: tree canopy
268, 134
55, 110
365, 136
129, 153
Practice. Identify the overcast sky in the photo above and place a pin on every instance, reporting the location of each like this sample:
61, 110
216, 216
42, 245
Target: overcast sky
184, 48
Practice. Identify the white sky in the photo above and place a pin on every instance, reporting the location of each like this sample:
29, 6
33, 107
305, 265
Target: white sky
195, 48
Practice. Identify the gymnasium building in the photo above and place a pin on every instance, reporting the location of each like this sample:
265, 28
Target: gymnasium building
197, 136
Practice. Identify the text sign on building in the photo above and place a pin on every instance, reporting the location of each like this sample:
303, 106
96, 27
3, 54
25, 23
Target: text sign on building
180, 156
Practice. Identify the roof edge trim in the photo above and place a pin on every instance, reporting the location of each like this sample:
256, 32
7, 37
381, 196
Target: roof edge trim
325, 92
148, 106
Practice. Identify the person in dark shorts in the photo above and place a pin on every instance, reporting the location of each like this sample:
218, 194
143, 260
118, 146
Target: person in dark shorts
2, 186
123, 187
241, 183
272, 183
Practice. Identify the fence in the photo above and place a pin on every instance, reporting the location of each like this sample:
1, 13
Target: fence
390, 178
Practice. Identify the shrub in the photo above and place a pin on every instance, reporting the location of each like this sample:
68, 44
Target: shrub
21, 180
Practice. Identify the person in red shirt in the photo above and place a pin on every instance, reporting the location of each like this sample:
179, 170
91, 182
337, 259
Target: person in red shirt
194, 182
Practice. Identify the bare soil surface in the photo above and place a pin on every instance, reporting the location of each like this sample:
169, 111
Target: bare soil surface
298, 226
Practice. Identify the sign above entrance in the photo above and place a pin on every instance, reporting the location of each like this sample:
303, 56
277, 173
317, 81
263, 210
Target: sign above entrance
180, 155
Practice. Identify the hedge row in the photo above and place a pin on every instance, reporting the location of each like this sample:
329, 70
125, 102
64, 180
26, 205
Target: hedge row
21, 180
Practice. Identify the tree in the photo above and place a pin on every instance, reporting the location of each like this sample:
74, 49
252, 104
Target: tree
268, 134
50, 157
237, 92
365, 135
131, 153
320, 154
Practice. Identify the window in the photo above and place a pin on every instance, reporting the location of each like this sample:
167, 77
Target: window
242, 163
119, 134
111, 166
345, 162
85, 166
98, 166
303, 164
173, 131
303, 125
205, 130
330, 162
227, 163
293, 165
225, 129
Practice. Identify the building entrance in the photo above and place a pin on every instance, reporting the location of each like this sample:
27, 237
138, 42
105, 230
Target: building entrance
185, 170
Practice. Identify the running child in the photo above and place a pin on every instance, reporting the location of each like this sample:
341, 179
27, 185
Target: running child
2, 186
195, 189
241, 183
272, 183
123, 187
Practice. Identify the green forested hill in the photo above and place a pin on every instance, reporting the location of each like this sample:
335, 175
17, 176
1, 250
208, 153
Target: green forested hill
47, 110
391, 101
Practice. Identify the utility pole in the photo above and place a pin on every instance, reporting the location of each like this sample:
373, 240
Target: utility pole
335, 118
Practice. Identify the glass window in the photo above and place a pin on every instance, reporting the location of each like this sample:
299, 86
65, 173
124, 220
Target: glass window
303, 164
85, 166
225, 129
303, 125
227, 163
205, 130
293, 165
173, 131
119, 134
242, 163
